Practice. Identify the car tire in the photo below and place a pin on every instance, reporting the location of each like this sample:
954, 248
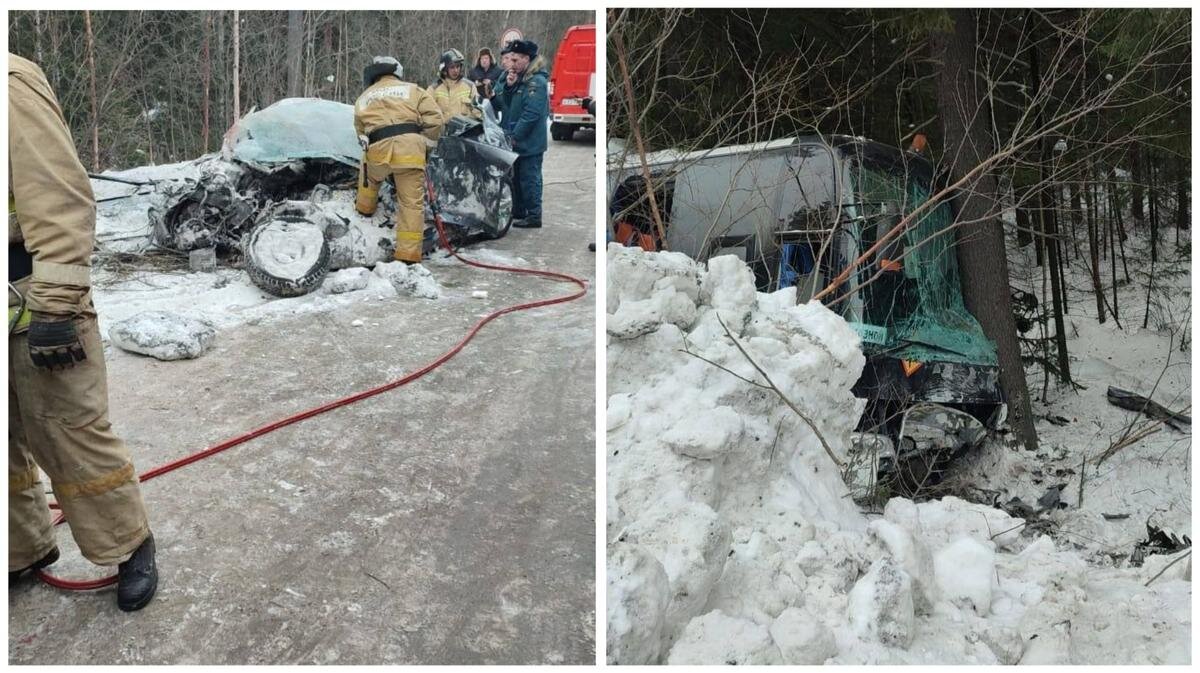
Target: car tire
287, 258
562, 132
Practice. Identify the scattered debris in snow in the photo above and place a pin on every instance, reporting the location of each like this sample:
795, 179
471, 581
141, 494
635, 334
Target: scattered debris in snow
163, 335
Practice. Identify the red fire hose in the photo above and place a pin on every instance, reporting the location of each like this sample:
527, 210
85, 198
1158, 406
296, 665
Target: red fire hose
85, 585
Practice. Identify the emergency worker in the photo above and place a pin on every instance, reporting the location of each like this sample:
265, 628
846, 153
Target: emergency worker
453, 94
524, 103
57, 384
394, 119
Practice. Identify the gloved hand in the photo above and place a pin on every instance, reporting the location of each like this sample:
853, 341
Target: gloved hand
54, 343
364, 141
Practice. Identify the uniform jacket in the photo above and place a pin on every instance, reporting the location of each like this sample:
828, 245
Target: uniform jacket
50, 195
391, 101
456, 98
525, 108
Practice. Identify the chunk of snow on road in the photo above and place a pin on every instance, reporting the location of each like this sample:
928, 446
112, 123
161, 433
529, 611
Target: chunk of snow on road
347, 280
163, 335
414, 280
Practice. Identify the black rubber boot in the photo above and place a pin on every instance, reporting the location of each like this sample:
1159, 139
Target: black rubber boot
137, 578
48, 559
528, 223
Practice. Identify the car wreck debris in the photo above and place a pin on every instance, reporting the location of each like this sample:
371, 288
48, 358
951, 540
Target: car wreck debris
1134, 402
278, 170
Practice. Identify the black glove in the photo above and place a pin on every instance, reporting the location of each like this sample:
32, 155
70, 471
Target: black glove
54, 344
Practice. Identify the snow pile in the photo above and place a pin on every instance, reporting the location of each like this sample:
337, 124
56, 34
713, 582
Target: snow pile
732, 537
347, 280
414, 280
163, 335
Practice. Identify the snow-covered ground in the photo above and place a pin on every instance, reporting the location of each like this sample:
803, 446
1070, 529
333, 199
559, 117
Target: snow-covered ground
1150, 481
732, 537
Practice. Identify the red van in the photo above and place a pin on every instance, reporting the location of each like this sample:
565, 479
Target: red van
573, 79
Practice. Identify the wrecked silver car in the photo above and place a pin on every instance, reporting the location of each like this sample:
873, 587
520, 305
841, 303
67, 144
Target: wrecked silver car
272, 190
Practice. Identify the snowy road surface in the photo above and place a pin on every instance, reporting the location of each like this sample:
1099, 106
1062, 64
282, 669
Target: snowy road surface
450, 521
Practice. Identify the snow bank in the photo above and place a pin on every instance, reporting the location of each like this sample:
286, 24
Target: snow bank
732, 537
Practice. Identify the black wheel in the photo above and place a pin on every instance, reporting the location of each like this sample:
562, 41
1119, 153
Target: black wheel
506, 212
560, 131
287, 258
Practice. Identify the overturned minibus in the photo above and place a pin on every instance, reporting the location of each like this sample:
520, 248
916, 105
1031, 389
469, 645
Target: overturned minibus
800, 211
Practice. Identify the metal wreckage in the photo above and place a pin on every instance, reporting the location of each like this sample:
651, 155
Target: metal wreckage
799, 211
268, 194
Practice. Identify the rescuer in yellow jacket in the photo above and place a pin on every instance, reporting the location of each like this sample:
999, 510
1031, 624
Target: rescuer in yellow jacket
57, 388
454, 94
394, 119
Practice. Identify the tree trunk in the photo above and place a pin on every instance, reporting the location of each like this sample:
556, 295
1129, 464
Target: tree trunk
1077, 209
91, 67
237, 101
1112, 250
1150, 170
1058, 284
1094, 254
980, 248
1181, 204
1137, 178
206, 68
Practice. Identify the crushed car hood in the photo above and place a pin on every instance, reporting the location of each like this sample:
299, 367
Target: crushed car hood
294, 129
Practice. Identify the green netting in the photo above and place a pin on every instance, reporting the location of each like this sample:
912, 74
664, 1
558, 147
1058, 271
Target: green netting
922, 307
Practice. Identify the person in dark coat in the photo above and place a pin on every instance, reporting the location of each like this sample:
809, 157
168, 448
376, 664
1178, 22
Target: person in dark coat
486, 73
523, 100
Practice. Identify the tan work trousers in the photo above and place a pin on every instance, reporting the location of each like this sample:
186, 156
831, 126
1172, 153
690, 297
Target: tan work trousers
410, 204
58, 421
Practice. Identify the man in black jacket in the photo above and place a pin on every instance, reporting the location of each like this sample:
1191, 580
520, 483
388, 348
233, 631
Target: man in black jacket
486, 72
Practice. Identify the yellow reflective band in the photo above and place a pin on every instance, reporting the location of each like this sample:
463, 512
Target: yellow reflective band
410, 235
98, 486
411, 158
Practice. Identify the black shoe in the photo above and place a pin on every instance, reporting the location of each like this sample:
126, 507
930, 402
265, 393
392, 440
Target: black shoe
137, 578
49, 558
528, 223
592, 246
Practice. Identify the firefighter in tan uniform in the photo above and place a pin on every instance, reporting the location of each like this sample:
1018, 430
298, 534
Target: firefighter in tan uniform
454, 95
57, 390
394, 119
